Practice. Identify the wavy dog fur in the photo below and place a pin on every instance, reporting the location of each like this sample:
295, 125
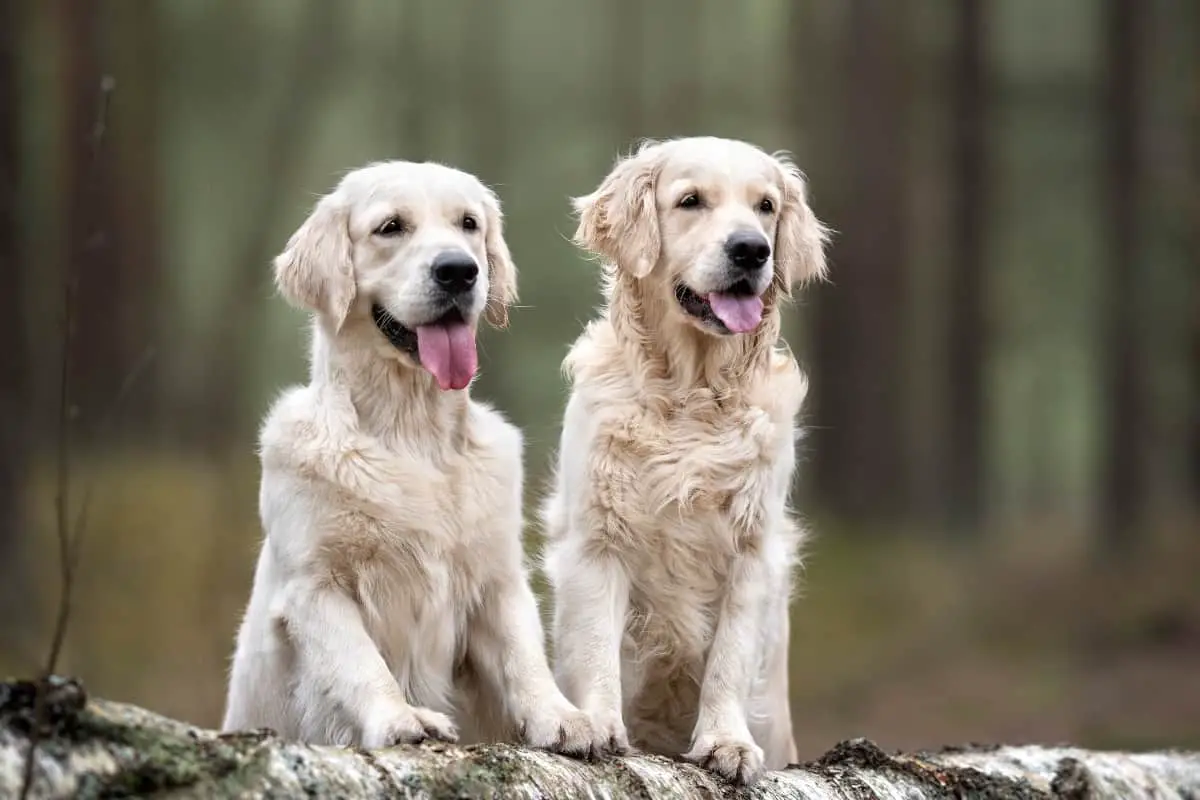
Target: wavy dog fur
390, 593
670, 547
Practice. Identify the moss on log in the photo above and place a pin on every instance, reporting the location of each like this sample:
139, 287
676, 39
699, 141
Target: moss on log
100, 749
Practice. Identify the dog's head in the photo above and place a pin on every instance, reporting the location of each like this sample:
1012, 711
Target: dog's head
415, 250
717, 225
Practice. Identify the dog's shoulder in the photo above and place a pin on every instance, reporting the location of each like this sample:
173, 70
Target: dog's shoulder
311, 434
302, 426
595, 358
784, 386
289, 426
492, 432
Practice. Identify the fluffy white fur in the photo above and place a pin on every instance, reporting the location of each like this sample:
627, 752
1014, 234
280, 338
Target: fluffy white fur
390, 598
670, 546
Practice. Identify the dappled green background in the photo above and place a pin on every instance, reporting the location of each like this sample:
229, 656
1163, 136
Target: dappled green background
1003, 463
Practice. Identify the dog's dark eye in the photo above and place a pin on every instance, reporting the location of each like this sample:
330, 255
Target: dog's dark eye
766, 206
391, 227
469, 223
690, 200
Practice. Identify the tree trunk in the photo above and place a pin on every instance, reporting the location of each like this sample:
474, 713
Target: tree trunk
88, 216
109, 203
484, 94
810, 91
14, 364
115, 750
684, 23
1124, 487
1194, 449
627, 57
132, 57
411, 57
1194, 484
861, 469
964, 477
216, 416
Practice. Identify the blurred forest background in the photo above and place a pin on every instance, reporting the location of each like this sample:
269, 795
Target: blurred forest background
1003, 469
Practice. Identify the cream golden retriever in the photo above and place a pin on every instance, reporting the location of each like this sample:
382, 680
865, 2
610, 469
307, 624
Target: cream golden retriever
390, 598
670, 547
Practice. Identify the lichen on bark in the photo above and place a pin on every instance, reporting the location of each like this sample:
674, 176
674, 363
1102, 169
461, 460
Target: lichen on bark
99, 749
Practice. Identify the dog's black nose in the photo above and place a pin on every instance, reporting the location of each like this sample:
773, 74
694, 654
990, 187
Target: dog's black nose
747, 250
455, 271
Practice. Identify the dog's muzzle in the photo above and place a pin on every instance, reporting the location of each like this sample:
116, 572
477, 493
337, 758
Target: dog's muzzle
455, 272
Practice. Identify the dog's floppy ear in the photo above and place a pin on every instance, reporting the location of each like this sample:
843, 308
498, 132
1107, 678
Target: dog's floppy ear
620, 219
502, 272
315, 271
800, 238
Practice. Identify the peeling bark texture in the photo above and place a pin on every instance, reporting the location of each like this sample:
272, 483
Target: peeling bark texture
96, 748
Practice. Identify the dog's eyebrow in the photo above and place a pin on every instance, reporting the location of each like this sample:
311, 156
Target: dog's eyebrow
682, 185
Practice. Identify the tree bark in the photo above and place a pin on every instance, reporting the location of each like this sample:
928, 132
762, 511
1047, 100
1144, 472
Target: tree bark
685, 24
88, 216
109, 204
216, 418
627, 57
1124, 485
14, 364
411, 58
964, 478
104, 749
132, 55
858, 431
1194, 454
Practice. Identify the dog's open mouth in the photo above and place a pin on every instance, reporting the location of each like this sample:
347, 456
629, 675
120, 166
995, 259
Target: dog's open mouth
444, 347
736, 309
401, 337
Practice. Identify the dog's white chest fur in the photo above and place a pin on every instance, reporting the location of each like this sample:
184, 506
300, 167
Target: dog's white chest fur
413, 591
412, 537
692, 503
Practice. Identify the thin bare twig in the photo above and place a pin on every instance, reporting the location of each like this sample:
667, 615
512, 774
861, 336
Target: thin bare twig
69, 553
107, 421
62, 495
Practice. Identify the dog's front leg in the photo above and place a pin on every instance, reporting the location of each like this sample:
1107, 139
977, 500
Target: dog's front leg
721, 740
507, 646
339, 671
591, 599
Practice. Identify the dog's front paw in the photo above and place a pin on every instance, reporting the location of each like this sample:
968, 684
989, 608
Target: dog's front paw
407, 725
734, 757
565, 729
611, 736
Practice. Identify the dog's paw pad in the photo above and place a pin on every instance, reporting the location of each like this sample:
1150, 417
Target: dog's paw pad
567, 731
736, 758
436, 726
408, 725
611, 737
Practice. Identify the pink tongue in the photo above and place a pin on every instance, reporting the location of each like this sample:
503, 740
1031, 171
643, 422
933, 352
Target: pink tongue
739, 312
448, 352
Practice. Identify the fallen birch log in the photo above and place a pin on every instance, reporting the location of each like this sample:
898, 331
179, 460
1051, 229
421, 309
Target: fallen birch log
98, 749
